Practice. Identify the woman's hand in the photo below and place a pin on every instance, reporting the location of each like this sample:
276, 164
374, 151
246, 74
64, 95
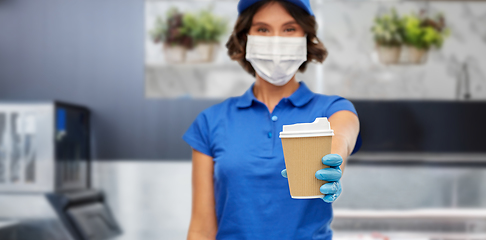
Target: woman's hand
346, 128
332, 175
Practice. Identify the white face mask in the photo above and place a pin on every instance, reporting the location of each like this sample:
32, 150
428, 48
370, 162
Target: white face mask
276, 59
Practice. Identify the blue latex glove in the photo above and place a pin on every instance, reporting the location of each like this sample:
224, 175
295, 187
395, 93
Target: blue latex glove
332, 175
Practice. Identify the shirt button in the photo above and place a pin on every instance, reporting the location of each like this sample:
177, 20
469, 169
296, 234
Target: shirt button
274, 118
269, 134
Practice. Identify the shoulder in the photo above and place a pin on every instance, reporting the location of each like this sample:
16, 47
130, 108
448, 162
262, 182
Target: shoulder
219, 110
323, 100
332, 103
200, 133
327, 99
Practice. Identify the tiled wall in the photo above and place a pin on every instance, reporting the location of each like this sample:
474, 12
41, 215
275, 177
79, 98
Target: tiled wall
352, 69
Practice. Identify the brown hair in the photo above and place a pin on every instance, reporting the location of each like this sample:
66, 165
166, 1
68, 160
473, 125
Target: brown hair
237, 41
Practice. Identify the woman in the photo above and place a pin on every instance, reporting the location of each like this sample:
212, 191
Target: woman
238, 189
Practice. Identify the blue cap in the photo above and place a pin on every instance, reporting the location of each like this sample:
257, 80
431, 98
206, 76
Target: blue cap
304, 4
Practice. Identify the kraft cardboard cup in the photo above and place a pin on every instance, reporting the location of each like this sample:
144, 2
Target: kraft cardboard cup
304, 145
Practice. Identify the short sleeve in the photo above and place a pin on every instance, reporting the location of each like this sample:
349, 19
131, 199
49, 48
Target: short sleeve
197, 136
339, 104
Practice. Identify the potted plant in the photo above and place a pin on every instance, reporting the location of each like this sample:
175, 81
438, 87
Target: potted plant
170, 32
420, 33
205, 29
387, 35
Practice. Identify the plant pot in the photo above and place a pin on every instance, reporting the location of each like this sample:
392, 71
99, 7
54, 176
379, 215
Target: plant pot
202, 52
416, 55
388, 54
174, 54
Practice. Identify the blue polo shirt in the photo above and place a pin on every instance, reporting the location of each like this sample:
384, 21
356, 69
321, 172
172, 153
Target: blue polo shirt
252, 198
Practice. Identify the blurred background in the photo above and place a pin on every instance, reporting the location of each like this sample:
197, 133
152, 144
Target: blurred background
96, 95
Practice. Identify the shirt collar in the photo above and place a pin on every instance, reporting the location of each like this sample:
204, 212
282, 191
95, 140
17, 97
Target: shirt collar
299, 98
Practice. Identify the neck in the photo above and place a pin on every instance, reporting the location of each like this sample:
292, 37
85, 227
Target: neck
270, 94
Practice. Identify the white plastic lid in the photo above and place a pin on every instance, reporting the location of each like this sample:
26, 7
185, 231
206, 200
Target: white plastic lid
319, 128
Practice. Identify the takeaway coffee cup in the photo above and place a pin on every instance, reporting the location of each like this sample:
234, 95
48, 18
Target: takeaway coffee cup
304, 145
